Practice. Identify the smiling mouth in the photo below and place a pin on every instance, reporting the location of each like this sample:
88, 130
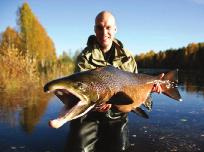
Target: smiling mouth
105, 39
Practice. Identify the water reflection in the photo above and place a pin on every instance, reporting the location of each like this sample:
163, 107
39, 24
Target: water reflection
23, 107
192, 81
172, 126
189, 81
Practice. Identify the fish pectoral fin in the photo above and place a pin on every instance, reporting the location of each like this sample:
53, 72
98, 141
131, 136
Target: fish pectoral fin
139, 111
120, 98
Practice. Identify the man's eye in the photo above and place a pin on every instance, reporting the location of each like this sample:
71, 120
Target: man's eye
101, 28
98, 27
108, 28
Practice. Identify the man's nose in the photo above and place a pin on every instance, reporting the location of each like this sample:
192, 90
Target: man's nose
104, 31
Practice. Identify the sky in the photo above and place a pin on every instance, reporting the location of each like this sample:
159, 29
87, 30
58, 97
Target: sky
142, 25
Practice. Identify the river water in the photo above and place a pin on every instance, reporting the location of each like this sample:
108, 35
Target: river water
172, 126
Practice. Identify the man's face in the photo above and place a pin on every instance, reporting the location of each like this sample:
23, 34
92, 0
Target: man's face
105, 30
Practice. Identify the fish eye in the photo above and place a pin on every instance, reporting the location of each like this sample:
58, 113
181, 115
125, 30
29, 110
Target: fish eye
81, 86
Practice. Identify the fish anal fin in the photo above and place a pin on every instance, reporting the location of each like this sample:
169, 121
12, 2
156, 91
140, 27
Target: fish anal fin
120, 98
139, 111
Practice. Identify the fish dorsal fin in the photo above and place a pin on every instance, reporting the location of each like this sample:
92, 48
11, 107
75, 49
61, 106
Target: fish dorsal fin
139, 111
120, 98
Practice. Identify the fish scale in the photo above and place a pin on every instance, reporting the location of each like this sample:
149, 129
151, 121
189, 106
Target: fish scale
124, 90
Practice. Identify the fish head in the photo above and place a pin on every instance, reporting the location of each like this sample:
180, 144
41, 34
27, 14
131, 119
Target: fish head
78, 95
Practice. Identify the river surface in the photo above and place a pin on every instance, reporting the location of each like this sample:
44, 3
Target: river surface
172, 126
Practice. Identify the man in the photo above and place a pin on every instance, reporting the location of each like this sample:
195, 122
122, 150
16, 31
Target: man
104, 129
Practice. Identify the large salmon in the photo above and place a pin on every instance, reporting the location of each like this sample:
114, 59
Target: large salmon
82, 91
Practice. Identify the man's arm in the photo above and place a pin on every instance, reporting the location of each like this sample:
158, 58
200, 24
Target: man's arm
83, 63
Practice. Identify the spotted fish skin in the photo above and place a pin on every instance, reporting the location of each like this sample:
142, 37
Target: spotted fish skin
127, 91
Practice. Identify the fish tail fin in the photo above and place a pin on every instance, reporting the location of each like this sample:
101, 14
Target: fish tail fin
170, 88
171, 76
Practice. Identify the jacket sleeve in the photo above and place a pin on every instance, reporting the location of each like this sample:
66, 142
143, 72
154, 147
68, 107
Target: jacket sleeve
83, 63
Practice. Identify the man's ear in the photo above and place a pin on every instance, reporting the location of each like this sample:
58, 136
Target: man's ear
95, 28
116, 29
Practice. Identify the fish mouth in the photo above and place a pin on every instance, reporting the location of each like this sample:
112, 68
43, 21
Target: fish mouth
67, 97
75, 106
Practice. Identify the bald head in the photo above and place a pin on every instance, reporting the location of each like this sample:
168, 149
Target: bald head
105, 29
103, 16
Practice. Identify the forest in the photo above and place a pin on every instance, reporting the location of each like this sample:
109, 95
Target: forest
190, 57
28, 56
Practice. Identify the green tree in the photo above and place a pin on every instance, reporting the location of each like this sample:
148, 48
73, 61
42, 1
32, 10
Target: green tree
65, 58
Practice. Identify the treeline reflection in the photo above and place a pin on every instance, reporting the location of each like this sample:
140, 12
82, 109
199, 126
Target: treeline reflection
192, 81
24, 108
189, 81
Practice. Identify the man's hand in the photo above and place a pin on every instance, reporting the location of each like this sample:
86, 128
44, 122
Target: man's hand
157, 88
103, 107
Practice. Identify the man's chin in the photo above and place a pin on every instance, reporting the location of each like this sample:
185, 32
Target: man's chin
106, 43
